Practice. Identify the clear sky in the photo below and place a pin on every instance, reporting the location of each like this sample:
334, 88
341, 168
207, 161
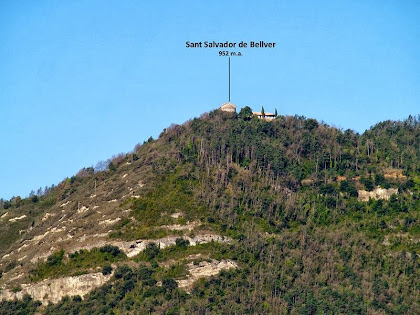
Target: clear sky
81, 81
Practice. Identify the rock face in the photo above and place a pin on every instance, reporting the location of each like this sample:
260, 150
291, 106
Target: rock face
203, 270
378, 193
394, 174
53, 290
133, 248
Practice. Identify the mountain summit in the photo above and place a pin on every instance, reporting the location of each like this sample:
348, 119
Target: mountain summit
226, 213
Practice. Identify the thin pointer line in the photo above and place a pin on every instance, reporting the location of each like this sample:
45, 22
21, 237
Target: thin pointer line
229, 79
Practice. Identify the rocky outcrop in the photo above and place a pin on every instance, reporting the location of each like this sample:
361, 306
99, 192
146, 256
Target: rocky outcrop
135, 247
52, 290
131, 248
204, 269
394, 174
378, 193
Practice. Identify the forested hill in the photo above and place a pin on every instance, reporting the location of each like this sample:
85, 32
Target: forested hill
321, 220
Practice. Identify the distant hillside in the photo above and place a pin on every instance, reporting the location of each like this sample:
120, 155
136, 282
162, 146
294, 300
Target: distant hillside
227, 213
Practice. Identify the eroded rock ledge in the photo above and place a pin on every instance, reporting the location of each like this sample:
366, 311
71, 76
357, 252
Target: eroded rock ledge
52, 290
378, 193
204, 269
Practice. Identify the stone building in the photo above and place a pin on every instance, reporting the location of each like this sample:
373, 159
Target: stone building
266, 116
228, 107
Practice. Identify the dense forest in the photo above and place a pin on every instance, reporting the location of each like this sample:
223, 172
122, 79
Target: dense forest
287, 192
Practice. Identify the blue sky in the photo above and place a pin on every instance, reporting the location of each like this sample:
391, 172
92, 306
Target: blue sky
81, 81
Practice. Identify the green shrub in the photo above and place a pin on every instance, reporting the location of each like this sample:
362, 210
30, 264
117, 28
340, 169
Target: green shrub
368, 183
17, 289
124, 272
169, 284
77, 298
112, 250
112, 167
106, 270
78, 263
310, 124
10, 266
145, 273
151, 251
380, 180
182, 243
55, 258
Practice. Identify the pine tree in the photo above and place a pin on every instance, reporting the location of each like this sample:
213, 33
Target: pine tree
262, 111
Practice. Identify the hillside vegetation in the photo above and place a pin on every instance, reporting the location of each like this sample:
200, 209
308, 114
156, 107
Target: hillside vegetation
284, 192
